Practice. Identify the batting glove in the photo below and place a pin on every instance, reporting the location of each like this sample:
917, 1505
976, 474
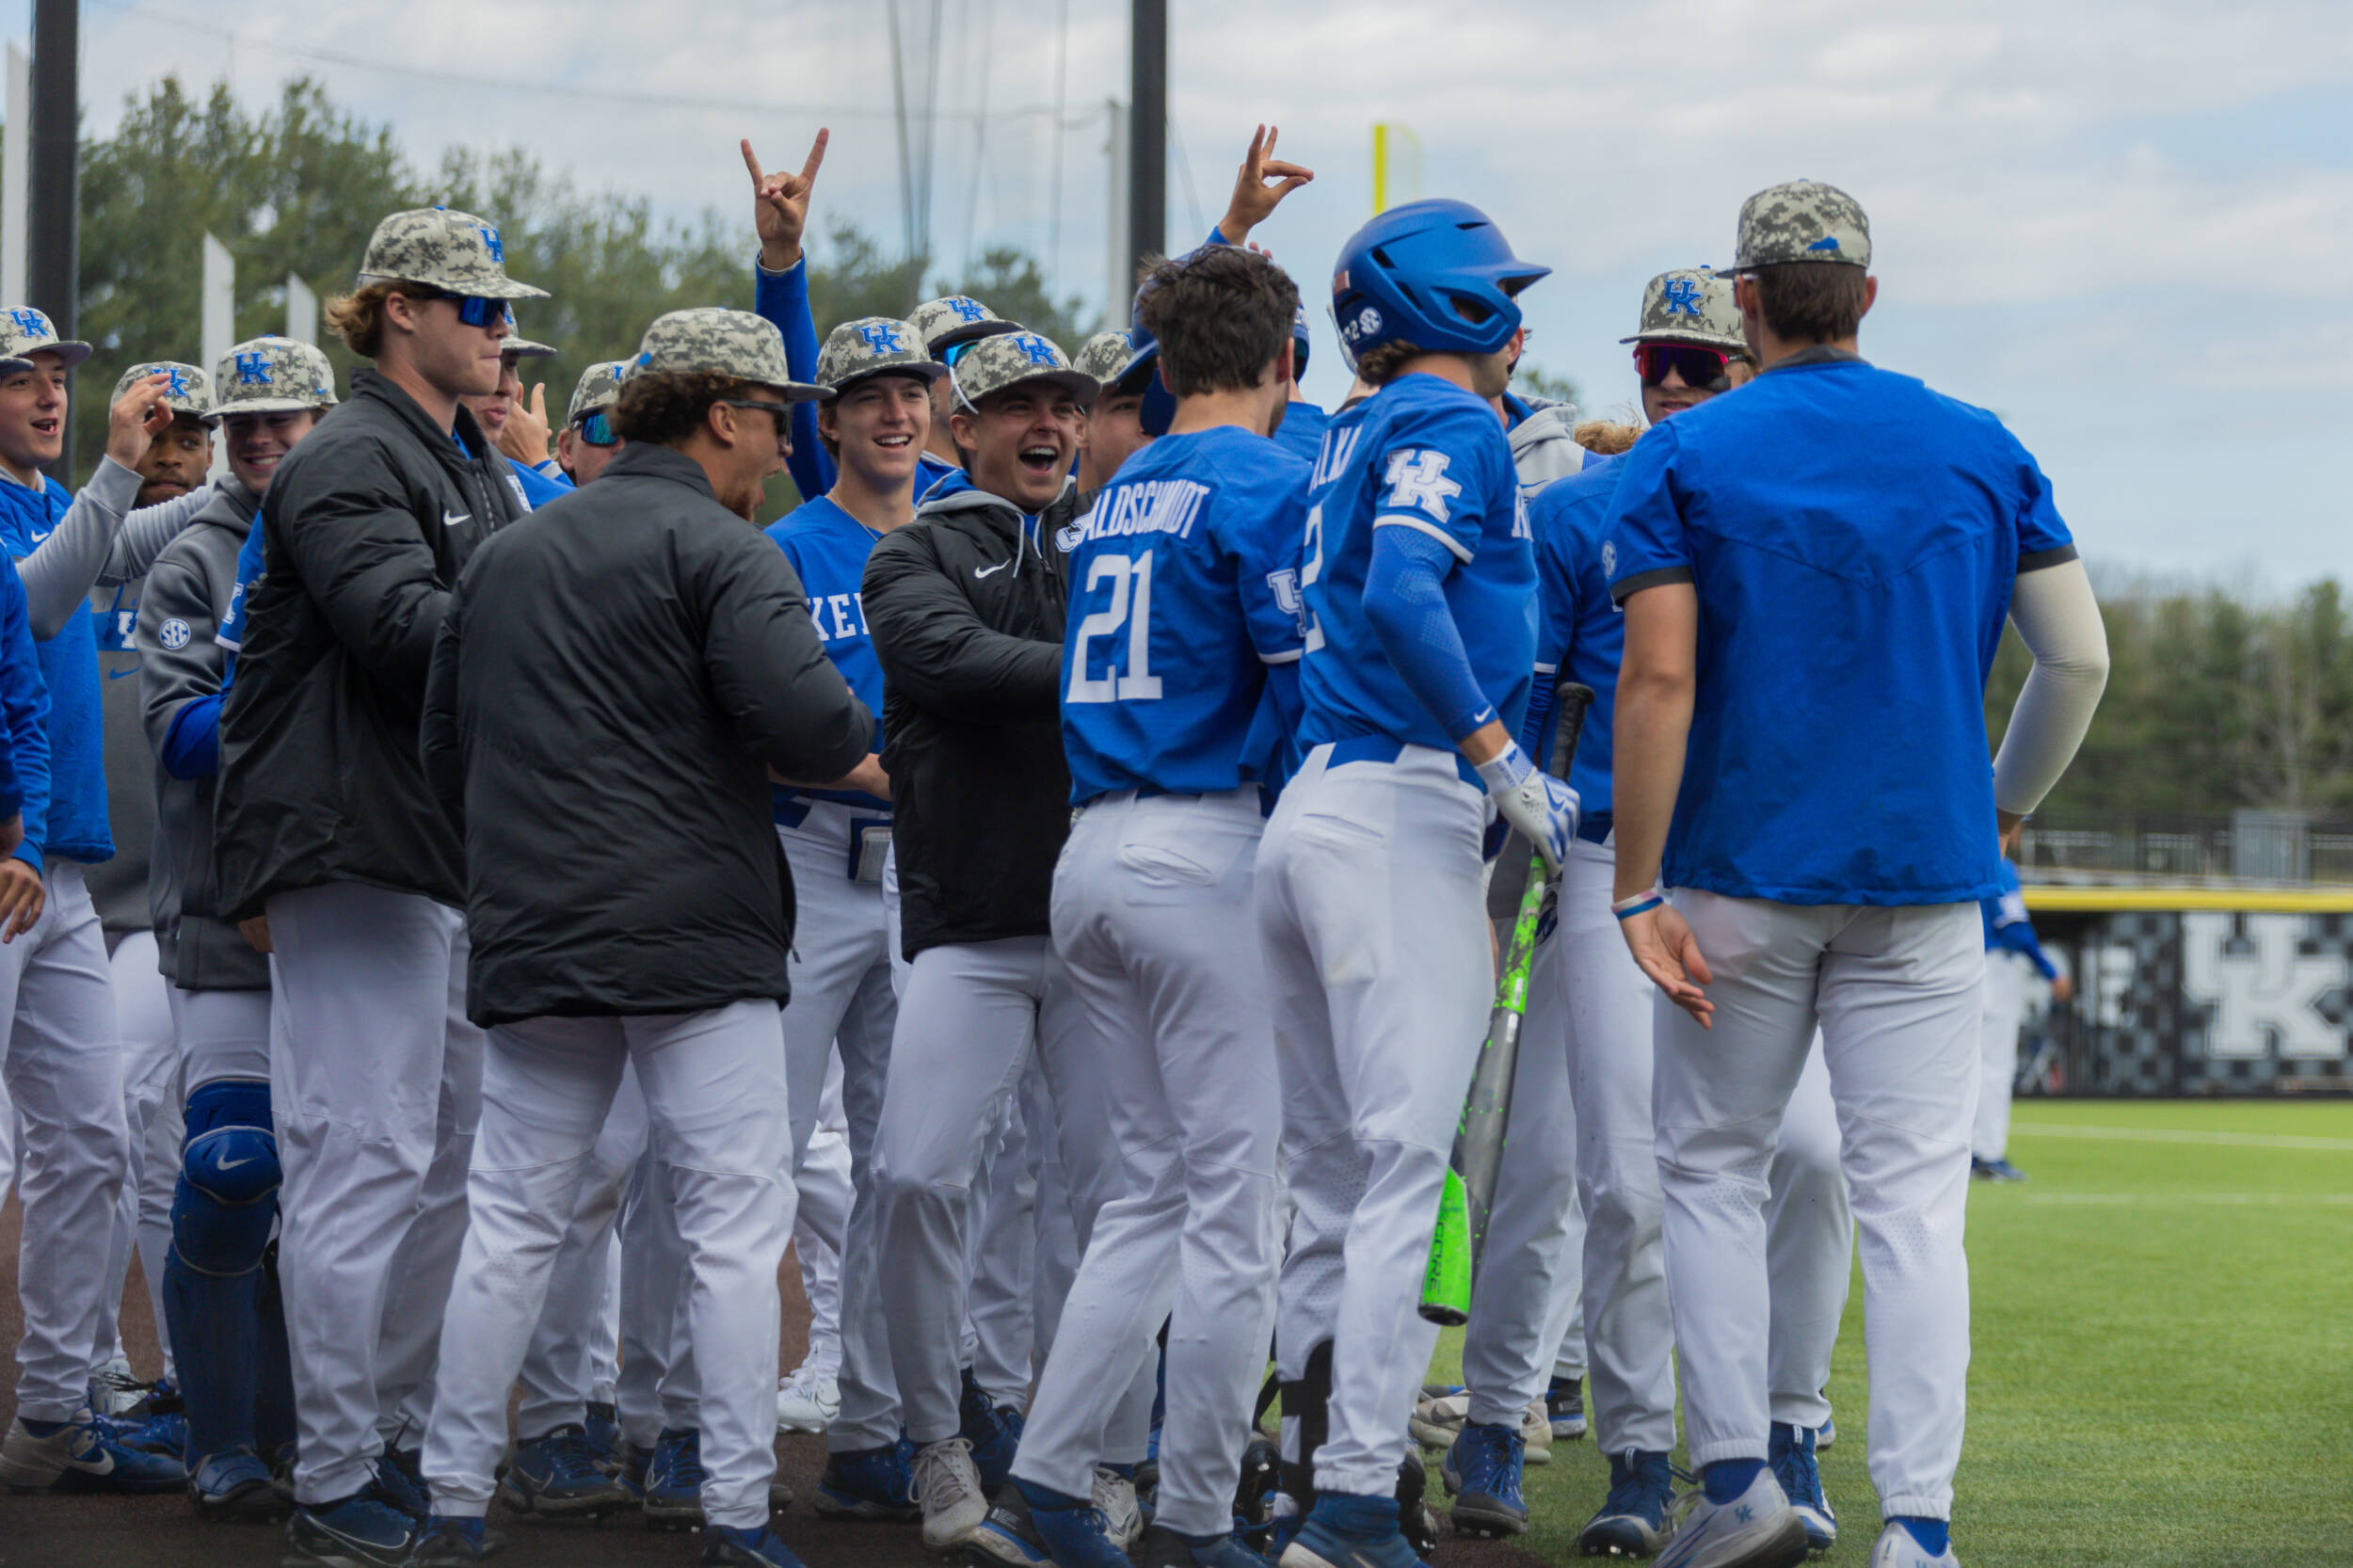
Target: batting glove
1540, 806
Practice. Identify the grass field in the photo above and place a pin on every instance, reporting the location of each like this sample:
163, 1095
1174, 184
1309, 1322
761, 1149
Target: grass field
2163, 1366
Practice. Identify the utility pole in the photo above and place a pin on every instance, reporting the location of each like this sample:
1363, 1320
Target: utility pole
53, 259
1148, 144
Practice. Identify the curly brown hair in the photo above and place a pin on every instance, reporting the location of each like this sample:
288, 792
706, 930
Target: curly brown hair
671, 406
1219, 315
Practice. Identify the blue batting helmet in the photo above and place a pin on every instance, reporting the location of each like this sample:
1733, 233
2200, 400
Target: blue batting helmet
1141, 374
1438, 274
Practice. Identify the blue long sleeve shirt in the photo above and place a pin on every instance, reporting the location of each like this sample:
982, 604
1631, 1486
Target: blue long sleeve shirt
24, 708
71, 818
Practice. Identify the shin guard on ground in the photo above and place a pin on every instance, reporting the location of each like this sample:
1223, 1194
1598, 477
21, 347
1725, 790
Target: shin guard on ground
222, 1214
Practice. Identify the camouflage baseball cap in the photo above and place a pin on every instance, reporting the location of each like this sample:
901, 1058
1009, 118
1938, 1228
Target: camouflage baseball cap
1010, 359
526, 348
869, 346
1804, 220
189, 390
26, 332
1103, 357
1691, 304
599, 387
955, 319
711, 340
445, 249
273, 375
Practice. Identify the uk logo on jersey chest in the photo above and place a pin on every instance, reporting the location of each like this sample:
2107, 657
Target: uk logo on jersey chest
1416, 478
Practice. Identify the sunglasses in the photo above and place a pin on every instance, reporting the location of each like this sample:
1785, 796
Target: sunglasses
597, 430
473, 309
781, 412
955, 351
1704, 369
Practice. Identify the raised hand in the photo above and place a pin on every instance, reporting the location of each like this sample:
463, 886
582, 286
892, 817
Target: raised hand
137, 417
780, 205
525, 436
1254, 199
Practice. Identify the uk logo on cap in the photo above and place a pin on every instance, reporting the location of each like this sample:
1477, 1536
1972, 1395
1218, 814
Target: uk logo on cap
490, 239
880, 336
1037, 348
253, 369
1682, 296
968, 310
175, 381
30, 323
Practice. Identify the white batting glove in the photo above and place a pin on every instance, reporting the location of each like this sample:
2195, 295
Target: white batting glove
1540, 806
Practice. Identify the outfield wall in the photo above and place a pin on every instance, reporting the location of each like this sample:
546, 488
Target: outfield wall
2198, 990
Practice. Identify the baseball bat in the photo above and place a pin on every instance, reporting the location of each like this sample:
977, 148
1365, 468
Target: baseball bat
1469, 1200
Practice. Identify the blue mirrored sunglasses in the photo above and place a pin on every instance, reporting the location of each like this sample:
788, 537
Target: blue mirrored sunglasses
474, 310
597, 430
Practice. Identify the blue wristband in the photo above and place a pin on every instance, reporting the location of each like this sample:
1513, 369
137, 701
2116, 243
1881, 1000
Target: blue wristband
1641, 903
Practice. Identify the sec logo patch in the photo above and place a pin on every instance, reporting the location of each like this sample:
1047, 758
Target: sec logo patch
173, 633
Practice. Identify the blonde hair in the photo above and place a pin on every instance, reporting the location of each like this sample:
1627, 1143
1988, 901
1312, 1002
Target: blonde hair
358, 317
1605, 436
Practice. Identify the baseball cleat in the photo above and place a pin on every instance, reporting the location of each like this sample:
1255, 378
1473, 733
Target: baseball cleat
1564, 1408
1482, 1475
163, 1434
674, 1480
115, 1389
1633, 1520
1791, 1460
993, 1430
561, 1475
869, 1483
449, 1543
236, 1484
604, 1434
1075, 1533
84, 1455
724, 1548
1825, 1435
807, 1401
1162, 1547
948, 1489
1756, 1529
1008, 1536
1115, 1499
366, 1530
1345, 1532
1897, 1547
400, 1482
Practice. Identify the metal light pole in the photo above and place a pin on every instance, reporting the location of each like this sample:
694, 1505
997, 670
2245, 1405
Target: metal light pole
1148, 145
53, 259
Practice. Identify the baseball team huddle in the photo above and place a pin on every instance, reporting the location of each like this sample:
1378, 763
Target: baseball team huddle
1047, 878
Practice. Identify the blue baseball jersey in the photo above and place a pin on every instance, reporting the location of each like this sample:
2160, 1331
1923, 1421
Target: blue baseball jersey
1183, 590
828, 548
1426, 454
1302, 430
1581, 633
1853, 537
230, 632
536, 488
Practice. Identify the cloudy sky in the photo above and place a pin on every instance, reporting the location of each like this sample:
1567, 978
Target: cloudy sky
2123, 226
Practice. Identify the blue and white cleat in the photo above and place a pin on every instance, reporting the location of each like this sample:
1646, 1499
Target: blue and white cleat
1995, 1170
1756, 1529
236, 1484
560, 1476
84, 1455
1482, 1474
604, 1434
994, 1431
1825, 1435
1008, 1536
869, 1483
1897, 1548
1344, 1532
1075, 1533
400, 1482
363, 1530
674, 1480
724, 1548
1633, 1521
1162, 1547
1790, 1458
1564, 1408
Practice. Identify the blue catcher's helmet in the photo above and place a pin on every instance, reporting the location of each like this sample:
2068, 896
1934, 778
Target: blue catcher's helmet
1437, 274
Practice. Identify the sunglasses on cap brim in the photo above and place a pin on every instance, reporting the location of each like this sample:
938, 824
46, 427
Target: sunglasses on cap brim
1701, 368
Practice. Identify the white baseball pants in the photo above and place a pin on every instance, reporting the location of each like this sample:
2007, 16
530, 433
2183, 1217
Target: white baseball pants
656, 1385
1372, 910
65, 1074
822, 1220
968, 1022
151, 1106
576, 1336
1021, 1235
375, 1085
720, 1116
1153, 915
1999, 1012
1895, 993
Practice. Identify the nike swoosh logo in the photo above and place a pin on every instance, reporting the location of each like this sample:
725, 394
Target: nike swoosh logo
97, 1462
983, 572
117, 674
38, 537
232, 1164
451, 519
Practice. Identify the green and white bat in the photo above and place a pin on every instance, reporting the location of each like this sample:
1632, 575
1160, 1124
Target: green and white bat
1469, 1201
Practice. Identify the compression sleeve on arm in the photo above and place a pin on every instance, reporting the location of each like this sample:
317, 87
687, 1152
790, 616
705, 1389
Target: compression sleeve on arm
782, 298
2058, 620
100, 539
1405, 603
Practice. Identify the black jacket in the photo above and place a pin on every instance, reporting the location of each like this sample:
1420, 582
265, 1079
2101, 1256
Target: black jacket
966, 617
187, 589
366, 524
616, 676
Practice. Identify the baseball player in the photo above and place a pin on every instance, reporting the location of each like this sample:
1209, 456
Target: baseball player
588, 441
63, 1062
682, 976
1182, 628
1419, 580
872, 429
2010, 948
965, 608
326, 827
1688, 349
234, 1380
1114, 423
520, 432
173, 466
1826, 869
